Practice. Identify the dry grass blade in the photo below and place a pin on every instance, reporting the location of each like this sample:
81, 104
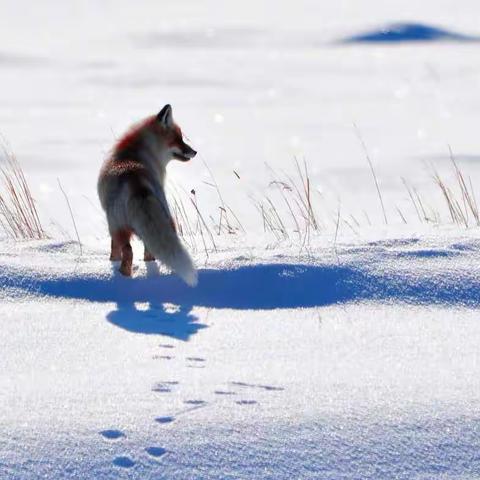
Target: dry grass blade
401, 215
271, 222
456, 213
202, 224
72, 217
182, 219
305, 179
19, 216
419, 200
410, 194
296, 194
367, 155
224, 208
337, 226
468, 196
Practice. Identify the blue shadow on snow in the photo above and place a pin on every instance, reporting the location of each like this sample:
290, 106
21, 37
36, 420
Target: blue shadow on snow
409, 32
252, 287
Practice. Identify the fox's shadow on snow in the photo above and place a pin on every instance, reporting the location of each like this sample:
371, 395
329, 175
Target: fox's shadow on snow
254, 287
176, 321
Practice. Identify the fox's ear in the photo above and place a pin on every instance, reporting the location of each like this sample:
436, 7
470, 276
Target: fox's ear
165, 116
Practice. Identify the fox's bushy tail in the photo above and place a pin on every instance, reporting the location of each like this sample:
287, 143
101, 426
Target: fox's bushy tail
153, 224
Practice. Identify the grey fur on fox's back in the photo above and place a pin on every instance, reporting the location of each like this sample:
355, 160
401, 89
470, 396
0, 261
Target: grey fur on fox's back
131, 191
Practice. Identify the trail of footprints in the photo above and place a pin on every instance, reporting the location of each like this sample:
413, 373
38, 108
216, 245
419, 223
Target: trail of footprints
157, 452
123, 461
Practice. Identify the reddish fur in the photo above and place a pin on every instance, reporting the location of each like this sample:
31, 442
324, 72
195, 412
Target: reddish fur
172, 137
132, 134
119, 239
122, 237
124, 166
121, 247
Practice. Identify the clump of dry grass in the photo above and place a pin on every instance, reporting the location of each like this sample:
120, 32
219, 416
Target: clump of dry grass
289, 208
201, 225
296, 195
272, 220
462, 204
18, 214
228, 222
190, 220
425, 213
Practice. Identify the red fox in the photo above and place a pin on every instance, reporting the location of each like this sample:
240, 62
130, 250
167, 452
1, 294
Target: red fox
131, 191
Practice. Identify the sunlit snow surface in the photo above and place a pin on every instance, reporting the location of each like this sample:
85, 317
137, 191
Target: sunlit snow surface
353, 355
357, 366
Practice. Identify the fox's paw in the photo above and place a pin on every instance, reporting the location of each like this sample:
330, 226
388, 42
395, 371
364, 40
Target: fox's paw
126, 270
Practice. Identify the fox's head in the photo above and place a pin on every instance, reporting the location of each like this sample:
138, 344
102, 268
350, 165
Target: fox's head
170, 137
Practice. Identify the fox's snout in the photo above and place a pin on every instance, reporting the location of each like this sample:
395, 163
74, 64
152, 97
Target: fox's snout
188, 151
183, 152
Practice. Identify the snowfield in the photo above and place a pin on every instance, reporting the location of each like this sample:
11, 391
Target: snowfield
344, 352
356, 365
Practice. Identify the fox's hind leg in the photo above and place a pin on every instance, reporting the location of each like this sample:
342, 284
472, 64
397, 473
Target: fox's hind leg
127, 258
116, 250
121, 242
147, 256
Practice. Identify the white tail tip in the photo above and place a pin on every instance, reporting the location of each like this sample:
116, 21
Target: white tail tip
191, 278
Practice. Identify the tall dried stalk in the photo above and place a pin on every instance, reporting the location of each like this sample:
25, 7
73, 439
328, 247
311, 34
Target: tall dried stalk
224, 209
468, 196
296, 194
71, 216
367, 155
18, 214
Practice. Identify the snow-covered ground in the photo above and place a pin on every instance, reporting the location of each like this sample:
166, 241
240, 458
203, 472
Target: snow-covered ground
348, 352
